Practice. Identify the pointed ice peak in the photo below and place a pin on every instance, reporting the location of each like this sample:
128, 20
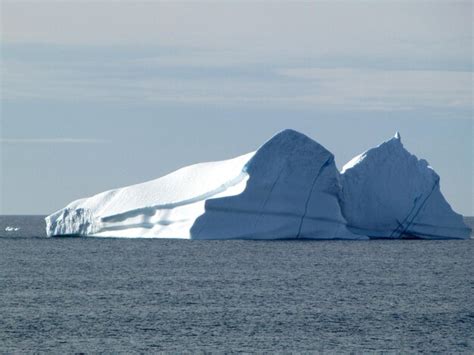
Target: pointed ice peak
395, 141
389, 148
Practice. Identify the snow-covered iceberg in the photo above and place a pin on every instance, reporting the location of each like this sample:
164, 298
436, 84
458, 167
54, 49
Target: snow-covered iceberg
390, 193
288, 189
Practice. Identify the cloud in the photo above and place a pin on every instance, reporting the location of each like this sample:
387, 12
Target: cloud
52, 141
392, 89
330, 55
375, 29
250, 85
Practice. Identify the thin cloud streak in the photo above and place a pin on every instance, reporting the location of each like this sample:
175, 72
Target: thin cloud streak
340, 88
52, 141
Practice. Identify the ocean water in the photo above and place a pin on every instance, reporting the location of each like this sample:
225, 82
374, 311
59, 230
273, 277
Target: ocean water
121, 295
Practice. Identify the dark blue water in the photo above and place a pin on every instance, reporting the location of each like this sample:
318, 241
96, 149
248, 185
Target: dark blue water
121, 295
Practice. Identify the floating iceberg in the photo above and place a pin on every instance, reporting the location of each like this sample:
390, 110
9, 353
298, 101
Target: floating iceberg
390, 193
288, 189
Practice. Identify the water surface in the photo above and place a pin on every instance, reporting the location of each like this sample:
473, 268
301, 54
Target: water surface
95, 295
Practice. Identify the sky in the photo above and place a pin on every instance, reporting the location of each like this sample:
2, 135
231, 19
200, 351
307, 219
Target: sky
101, 94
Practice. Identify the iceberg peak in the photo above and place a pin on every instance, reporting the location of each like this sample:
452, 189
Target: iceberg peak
389, 148
390, 193
395, 143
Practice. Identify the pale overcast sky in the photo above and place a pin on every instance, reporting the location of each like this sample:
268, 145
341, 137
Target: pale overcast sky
97, 95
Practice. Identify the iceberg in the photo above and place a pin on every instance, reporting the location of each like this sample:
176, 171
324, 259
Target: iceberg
387, 192
289, 188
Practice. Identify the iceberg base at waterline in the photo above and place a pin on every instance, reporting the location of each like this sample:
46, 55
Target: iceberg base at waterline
289, 188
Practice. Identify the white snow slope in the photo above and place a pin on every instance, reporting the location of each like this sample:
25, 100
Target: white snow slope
288, 189
390, 193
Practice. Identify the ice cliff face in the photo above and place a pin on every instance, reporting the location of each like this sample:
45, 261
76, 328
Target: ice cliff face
390, 193
288, 189
292, 192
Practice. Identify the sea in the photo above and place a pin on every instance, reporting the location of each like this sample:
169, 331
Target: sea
63, 295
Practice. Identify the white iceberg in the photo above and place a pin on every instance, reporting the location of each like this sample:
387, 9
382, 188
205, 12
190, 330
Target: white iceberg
288, 189
390, 193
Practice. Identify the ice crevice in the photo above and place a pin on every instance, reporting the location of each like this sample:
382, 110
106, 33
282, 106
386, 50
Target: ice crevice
313, 184
404, 229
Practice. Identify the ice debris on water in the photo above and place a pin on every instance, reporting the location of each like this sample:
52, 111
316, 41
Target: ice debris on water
11, 229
